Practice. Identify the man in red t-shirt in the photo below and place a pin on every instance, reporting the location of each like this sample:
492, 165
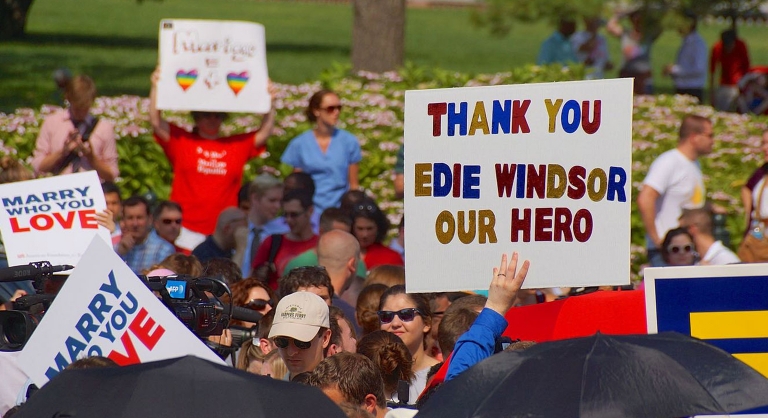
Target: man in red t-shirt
731, 54
207, 169
297, 209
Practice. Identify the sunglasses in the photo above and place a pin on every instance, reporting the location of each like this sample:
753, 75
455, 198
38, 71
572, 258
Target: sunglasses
292, 214
675, 249
331, 109
171, 221
283, 342
258, 304
405, 315
363, 207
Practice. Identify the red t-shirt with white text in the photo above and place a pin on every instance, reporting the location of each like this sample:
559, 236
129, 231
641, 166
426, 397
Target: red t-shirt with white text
207, 174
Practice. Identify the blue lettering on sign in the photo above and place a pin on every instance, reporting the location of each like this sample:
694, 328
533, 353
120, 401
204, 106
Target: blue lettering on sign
177, 289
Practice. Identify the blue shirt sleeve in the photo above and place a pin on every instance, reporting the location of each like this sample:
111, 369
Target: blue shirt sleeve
476, 344
354, 150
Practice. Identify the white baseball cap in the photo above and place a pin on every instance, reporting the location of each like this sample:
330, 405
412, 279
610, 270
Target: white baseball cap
300, 315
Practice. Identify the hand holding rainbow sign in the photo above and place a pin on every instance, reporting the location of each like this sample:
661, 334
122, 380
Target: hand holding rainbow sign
214, 66
542, 169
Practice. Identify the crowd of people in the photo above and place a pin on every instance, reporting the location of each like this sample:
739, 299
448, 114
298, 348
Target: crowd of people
741, 87
315, 243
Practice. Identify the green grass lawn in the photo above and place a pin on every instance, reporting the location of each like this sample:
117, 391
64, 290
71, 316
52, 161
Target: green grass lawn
116, 42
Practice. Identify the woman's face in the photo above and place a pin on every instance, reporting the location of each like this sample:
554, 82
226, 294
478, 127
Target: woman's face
365, 231
680, 251
411, 332
764, 146
329, 111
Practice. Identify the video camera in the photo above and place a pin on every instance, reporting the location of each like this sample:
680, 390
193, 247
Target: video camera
194, 301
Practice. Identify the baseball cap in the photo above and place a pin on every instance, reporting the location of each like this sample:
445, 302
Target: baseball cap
300, 315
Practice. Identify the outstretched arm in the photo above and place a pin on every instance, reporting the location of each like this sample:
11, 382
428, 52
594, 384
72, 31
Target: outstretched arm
479, 342
159, 125
265, 130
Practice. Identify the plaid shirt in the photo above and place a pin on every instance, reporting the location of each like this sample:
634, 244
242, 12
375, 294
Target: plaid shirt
150, 252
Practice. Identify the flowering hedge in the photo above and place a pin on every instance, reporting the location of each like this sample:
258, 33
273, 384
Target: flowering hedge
374, 112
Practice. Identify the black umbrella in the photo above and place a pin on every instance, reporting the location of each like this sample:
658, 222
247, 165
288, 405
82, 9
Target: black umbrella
604, 376
185, 387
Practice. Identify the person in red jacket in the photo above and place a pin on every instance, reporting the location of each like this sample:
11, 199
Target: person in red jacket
730, 54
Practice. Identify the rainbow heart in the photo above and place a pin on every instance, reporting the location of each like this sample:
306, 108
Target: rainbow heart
186, 78
237, 81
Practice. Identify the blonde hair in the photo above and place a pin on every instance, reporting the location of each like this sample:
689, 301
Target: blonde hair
248, 353
276, 363
12, 170
80, 92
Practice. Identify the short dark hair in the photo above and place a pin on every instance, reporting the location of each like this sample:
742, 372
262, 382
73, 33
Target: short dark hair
110, 187
308, 276
163, 205
136, 201
314, 103
303, 196
303, 181
93, 362
454, 323
224, 269
331, 215
692, 124
355, 375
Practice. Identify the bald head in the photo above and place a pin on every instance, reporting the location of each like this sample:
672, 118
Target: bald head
335, 248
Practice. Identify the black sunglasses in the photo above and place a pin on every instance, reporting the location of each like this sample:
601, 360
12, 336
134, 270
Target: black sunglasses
258, 304
170, 221
405, 315
331, 109
282, 342
674, 249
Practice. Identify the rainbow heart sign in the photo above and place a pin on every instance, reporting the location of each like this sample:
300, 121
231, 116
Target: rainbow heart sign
186, 78
237, 81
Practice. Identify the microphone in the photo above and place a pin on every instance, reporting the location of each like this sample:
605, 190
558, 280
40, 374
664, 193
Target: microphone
29, 272
242, 314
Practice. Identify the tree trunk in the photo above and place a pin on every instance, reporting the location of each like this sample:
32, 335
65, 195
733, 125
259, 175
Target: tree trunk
378, 35
13, 18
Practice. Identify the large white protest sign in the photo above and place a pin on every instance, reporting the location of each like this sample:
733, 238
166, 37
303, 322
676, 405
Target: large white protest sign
542, 169
51, 219
103, 309
210, 65
726, 306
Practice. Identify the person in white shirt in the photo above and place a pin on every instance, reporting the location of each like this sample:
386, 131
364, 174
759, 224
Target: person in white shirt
674, 182
699, 223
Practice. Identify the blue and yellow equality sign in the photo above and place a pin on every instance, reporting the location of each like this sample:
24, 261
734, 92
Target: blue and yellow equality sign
727, 306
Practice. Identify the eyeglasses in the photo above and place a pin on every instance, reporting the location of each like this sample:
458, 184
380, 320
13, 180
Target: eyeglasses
675, 249
366, 207
282, 342
293, 214
331, 109
258, 304
405, 315
171, 221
